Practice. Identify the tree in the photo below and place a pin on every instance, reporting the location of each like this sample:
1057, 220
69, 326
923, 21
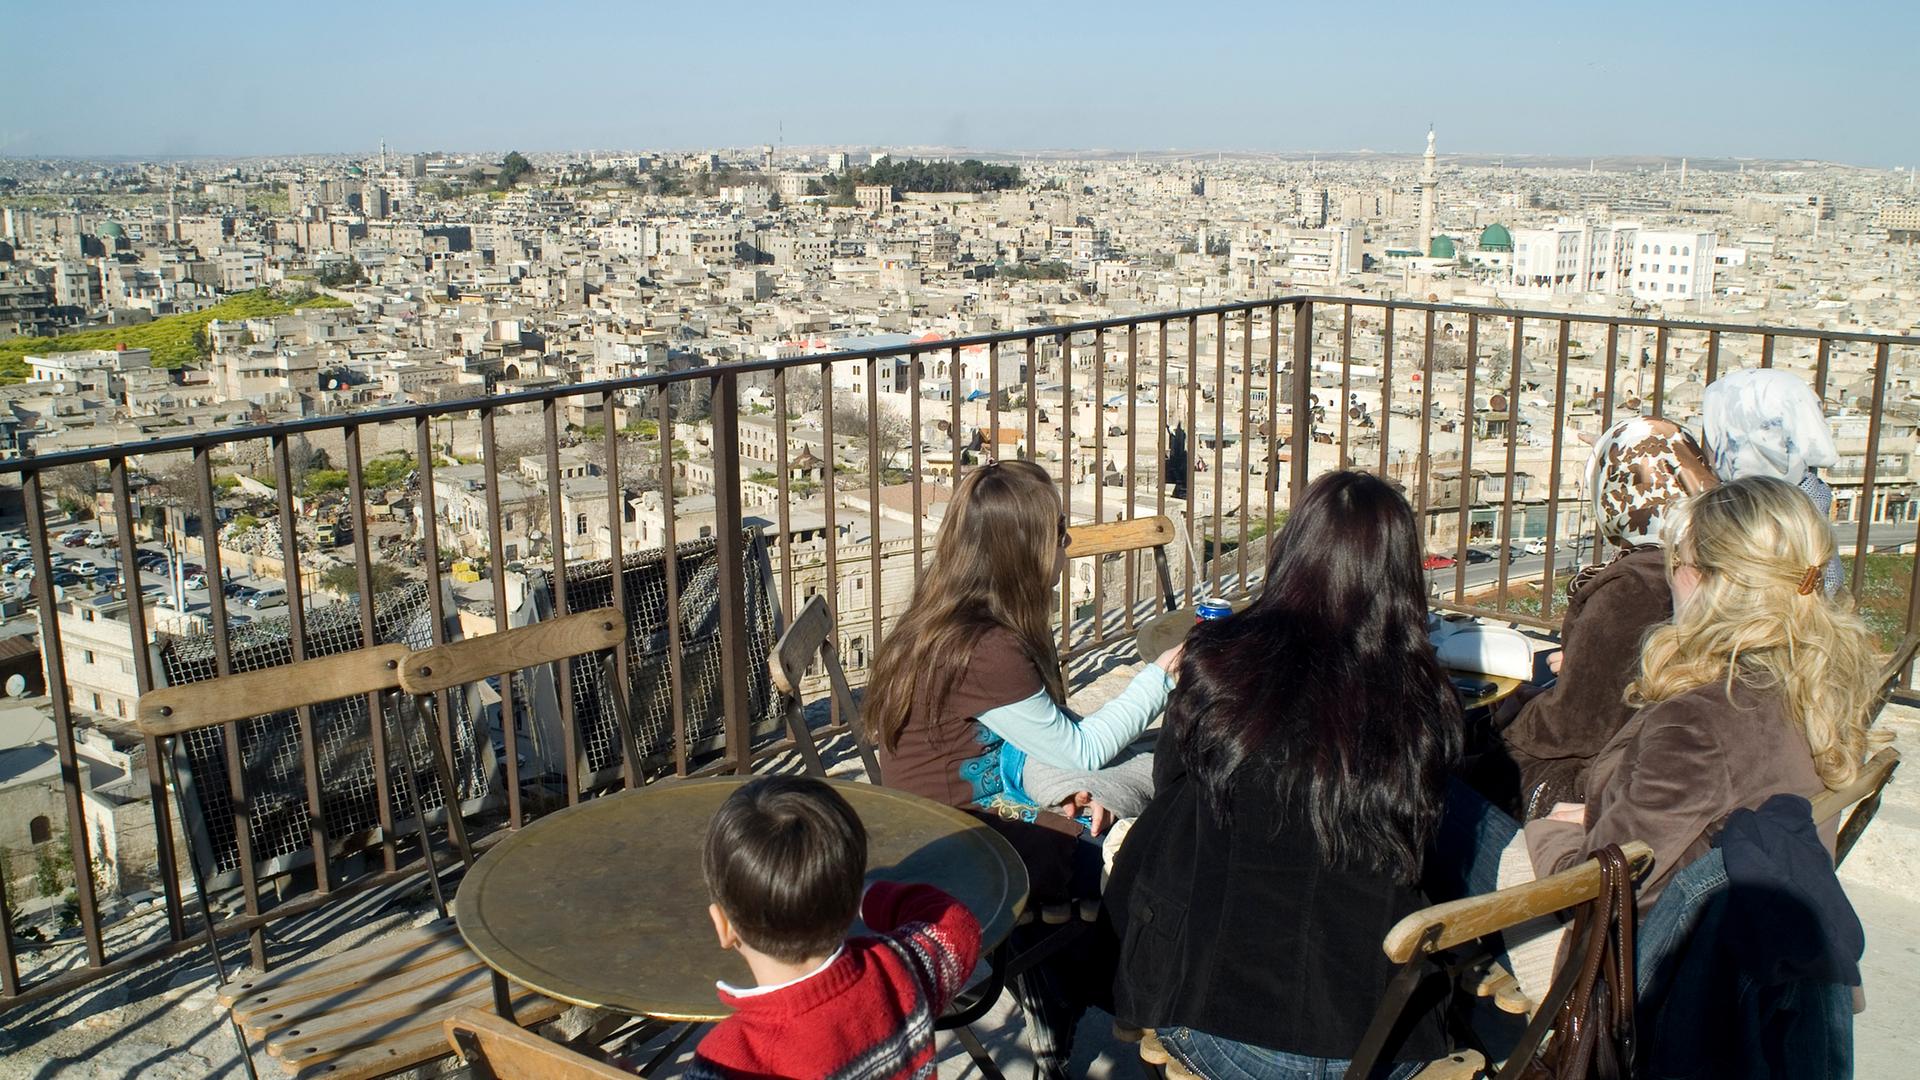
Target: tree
513, 168
639, 464
885, 436
345, 578
73, 486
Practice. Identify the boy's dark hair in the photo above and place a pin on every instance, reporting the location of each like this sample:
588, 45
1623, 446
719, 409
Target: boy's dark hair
786, 859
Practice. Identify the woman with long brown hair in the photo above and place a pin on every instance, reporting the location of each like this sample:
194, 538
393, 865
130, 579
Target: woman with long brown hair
1301, 775
967, 685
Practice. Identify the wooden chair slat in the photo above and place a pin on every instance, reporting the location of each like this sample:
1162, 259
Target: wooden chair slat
298, 1007
1465, 1065
173, 710
1109, 537
422, 1038
1464, 920
395, 952
377, 1020
510, 1051
458, 663
787, 664
1873, 775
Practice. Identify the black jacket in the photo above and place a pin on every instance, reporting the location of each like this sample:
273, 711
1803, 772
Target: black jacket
1759, 985
1245, 934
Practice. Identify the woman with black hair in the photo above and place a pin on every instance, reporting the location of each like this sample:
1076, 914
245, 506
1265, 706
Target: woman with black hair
1299, 779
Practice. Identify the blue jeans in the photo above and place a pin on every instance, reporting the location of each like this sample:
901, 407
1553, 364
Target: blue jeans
1223, 1059
1467, 846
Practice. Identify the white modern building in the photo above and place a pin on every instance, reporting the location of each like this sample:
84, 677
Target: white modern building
1571, 257
1673, 267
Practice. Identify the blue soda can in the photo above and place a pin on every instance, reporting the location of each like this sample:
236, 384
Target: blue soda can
1213, 607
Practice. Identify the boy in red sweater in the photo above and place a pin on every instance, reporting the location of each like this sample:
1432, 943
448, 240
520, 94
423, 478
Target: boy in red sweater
785, 860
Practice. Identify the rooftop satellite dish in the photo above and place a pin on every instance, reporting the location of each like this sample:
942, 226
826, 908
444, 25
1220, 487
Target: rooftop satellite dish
16, 686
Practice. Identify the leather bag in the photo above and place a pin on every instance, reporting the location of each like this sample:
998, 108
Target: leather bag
1589, 1011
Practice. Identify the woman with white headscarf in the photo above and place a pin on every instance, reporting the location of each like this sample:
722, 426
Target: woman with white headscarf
1768, 422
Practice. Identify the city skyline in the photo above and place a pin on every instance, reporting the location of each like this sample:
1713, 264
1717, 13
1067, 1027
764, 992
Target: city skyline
221, 80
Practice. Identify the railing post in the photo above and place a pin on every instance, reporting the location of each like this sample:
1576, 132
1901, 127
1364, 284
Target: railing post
79, 840
1302, 447
733, 570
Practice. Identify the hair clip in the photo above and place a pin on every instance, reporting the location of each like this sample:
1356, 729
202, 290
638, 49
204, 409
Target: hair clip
1809, 580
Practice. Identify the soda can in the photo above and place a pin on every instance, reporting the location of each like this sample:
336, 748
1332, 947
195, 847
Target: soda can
1212, 607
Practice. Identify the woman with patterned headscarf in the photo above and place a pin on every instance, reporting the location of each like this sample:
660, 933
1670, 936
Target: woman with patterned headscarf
1641, 469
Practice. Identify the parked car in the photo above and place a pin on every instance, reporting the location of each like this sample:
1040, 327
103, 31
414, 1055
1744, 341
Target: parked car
96, 538
73, 540
83, 566
65, 579
1538, 546
106, 577
196, 582
1436, 562
1476, 555
240, 593
269, 597
25, 572
15, 542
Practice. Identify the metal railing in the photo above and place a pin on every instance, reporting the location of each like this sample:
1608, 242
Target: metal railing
1315, 382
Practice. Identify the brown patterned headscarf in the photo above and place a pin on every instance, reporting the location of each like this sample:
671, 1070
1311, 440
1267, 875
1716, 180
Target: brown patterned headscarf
1641, 468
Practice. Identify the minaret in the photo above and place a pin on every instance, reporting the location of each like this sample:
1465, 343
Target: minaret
1429, 192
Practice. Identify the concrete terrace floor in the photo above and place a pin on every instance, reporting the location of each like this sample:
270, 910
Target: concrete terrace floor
164, 1023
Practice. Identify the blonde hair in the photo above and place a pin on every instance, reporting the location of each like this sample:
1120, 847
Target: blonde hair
1756, 543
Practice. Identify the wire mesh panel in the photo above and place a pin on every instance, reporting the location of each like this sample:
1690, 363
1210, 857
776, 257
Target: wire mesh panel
649, 678
270, 746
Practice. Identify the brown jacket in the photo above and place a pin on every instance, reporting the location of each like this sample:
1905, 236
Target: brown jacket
1674, 773
947, 755
1559, 731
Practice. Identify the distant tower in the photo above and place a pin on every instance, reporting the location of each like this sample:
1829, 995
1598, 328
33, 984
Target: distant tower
383, 157
1683, 174
173, 219
1429, 194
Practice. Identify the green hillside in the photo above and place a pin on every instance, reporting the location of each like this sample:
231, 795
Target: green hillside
171, 338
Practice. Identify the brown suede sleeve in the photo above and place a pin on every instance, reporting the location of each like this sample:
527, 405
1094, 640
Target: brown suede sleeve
1604, 626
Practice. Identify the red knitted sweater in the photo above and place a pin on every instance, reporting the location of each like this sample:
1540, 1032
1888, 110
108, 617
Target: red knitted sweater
869, 1013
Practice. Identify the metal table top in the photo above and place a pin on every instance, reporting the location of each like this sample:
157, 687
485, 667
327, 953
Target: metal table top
1170, 628
604, 904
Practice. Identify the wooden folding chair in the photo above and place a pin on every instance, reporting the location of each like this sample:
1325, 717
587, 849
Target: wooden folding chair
364, 1011
494, 1049
811, 634
1133, 534
1421, 942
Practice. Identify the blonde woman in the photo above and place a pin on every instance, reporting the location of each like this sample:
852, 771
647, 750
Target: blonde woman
1761, 685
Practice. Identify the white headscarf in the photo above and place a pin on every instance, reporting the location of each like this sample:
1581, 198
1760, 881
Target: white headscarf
1766, 422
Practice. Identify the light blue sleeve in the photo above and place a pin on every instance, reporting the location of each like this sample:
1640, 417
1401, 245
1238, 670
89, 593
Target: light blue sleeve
1048, 733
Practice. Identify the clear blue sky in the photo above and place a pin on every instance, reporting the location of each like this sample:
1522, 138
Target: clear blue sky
1761, 78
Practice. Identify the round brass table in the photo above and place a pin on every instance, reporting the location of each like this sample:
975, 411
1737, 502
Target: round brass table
603, 904
1164, 631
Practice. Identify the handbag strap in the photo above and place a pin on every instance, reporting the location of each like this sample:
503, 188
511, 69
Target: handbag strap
1600, 927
